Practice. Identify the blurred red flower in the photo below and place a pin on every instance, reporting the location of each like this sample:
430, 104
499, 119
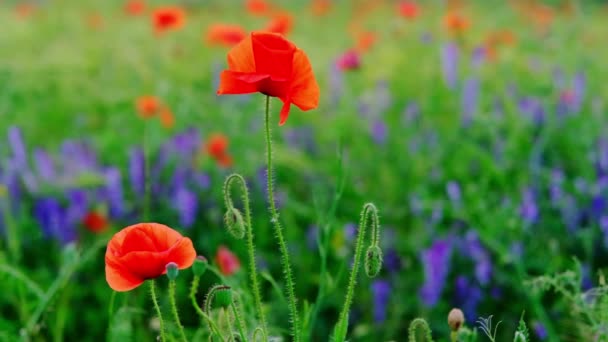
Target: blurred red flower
281, 23
168, 18
149, 106
24, 10
135, 7
456, 23
258, 7
227, 262
225, 34
320, 7
350, 60
270, 64
408, 9
217, 148
365, 41
95, 222
142, 251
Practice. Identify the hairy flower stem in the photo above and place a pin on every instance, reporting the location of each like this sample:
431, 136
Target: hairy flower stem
180, 327
287, 274
253, 274
419, 324
193, 290
239, 322
163, 338
368, 213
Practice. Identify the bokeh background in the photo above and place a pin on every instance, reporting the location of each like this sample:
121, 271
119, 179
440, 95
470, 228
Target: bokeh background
478, 128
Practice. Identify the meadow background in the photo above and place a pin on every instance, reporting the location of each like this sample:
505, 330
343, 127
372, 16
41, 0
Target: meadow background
485, 150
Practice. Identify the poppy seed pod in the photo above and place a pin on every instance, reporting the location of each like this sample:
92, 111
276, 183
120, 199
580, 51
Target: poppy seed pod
200, 265
373, 261
172, 270
222, 296
455, 319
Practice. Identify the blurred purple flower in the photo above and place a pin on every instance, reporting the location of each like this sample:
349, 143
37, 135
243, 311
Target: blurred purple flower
137, 174
468, 295
469, 100
381, 292
311, 237
449, 64
411, 113
436, 263
579, 85
475, 250
379, 132
52, 219
45, 167
532, 109
350, 232
201, 180
336, 85
17, 148
604, 228
528, 208
185, 203
392, 261
478, 56
113, 192
540, 331
452, 188
559, 79
426, 37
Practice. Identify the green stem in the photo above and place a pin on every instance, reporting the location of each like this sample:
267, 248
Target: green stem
111, 309
253, 274
163, 338
287, 274
369, 211
174, 310
239, 322
419, 324
228, 324
147, 176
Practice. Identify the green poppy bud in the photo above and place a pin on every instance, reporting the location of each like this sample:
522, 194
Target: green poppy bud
222, 296
172, 270
234, 222
373, 261
200, 265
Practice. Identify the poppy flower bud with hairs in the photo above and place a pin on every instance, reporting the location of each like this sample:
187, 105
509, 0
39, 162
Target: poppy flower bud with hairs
455, 319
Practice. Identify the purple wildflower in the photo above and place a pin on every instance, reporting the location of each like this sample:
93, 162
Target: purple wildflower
540, 331
77, 206
468, 295
436, 263
336, 84
350, 232
469, 100
579, 85
44, 165
478, 56
453, 191
529, 208
17, 147
52, 218
475, 250
379, 132
201, 180
186, 204
113, 192
137, 172
381, 292
392, 260
449, 64
411, 113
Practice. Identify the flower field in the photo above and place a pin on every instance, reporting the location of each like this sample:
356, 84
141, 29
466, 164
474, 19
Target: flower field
306, 170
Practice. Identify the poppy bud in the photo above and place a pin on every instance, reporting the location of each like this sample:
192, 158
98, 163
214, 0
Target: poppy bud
234, 223
223, 296
373, 261
519, 337
455, 319
200, 265
172, 270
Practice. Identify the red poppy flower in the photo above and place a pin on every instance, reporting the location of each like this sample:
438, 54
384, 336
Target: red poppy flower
258, 7
270, 64
94, 21
95, 222
147, 106
350, 60
408, 9
135, 7
166, 117
365, 41
227, 262
142, 251
217, 148
24, 10
227, 35
281, 23
168, 18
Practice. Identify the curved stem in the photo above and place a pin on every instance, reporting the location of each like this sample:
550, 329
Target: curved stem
419, 324
174, 310
163, 338
253, 274
287, 274
369, 212
239, 322
193, 290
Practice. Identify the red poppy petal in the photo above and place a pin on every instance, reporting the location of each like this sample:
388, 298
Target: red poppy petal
240, 57
233, 83
304, 89
273, 55
284, 112
144, 264
182, 253
119, 278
